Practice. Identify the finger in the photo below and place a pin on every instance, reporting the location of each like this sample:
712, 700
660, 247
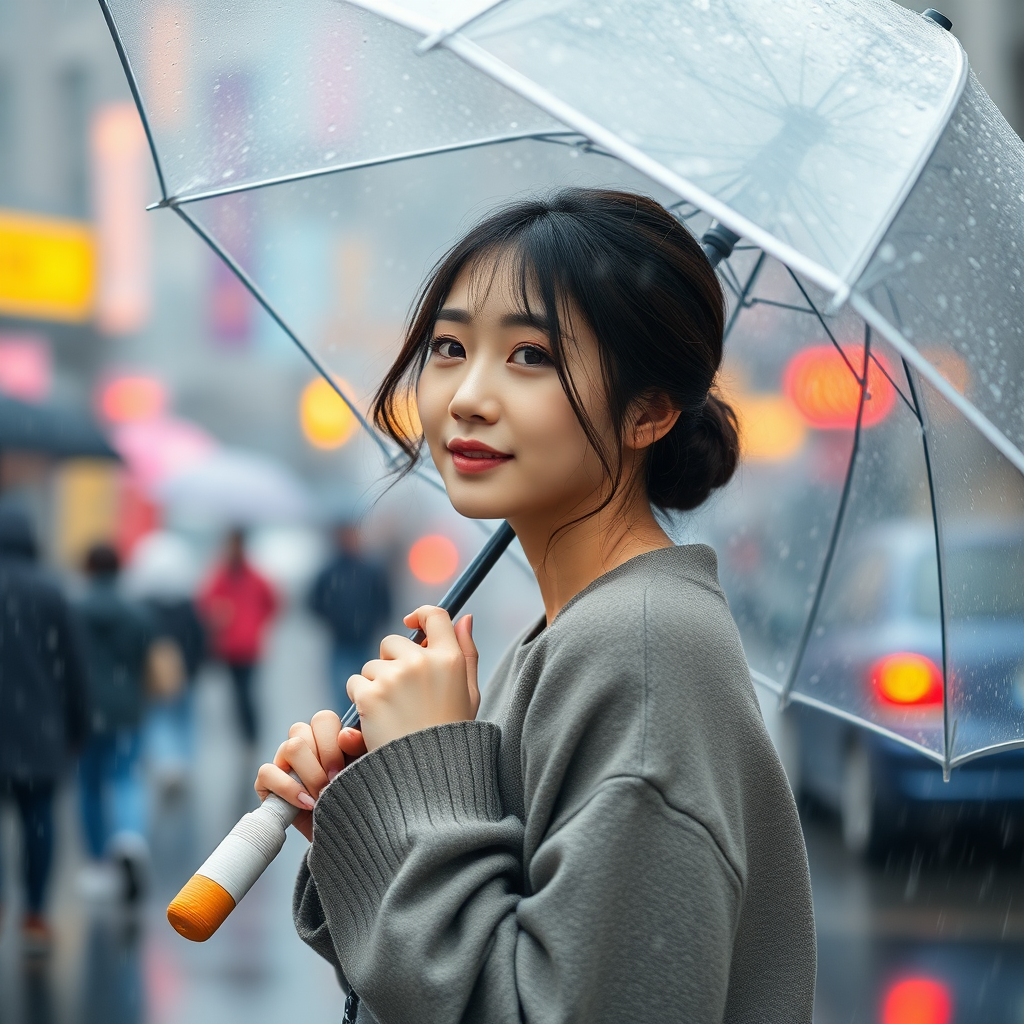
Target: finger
325, 726
464, 635
304, 733
372, 669
271, 778
395, 646
437, 624
296, 755
352, 743
353, 684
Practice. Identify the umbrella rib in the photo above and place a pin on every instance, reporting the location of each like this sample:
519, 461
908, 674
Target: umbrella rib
780, 305
847, 716
133, 85
377, 161
941, 566
258, 295
751, 281
833, 542
825, 328
912, 406
968, 410
456, 26
730, 278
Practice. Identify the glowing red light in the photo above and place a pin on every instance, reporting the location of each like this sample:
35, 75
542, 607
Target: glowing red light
907, 679
433, 559
826, 393
917, 1001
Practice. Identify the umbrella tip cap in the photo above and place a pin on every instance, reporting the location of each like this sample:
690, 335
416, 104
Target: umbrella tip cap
940, 19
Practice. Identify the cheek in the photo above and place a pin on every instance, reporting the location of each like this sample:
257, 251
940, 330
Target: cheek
432, 401
548, 434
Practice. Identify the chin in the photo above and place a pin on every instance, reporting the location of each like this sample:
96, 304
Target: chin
478, 506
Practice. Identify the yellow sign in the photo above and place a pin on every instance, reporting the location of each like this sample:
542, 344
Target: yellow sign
47, 267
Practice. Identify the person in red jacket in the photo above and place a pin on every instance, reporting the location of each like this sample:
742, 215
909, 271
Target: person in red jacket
237, 604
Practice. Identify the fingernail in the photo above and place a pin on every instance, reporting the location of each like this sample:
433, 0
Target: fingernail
332, 774
307, 801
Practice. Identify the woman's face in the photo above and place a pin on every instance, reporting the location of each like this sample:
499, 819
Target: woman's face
499, 426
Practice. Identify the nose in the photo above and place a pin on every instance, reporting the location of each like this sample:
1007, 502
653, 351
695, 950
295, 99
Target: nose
476, 398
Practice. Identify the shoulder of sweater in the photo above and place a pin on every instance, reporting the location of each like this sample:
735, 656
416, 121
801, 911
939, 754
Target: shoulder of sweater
663, 598
656, 646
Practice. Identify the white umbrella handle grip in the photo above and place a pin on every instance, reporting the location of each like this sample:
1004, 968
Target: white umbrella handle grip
231, 870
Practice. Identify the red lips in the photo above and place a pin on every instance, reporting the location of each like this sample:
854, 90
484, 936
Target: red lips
472, 456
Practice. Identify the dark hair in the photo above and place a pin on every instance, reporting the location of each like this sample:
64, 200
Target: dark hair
102, 560
644, 287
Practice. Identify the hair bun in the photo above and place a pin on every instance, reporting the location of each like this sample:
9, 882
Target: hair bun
698, 455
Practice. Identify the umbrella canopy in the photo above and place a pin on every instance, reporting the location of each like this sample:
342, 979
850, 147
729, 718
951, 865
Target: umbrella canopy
235, 487
50, 430
875, 333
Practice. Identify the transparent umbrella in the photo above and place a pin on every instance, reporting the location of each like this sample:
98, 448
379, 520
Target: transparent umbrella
869, 200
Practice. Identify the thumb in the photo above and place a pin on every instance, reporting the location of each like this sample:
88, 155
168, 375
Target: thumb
464, 634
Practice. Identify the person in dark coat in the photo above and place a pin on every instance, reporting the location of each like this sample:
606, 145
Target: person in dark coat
351, 595
43, 716
116, 636
163, 575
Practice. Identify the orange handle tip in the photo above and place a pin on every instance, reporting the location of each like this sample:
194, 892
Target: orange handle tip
200, 908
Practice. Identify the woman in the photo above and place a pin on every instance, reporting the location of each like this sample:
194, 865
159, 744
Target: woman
607, 834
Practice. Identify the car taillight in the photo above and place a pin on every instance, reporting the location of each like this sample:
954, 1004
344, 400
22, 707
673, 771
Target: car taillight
917, 1001
907, 679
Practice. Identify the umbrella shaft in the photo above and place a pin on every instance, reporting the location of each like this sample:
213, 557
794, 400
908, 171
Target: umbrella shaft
461, 590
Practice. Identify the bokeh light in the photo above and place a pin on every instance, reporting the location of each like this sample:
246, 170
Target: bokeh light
407, 415
433, 559
907, 678
917, 1001
129, 399
327, 422
771, 429
826, 393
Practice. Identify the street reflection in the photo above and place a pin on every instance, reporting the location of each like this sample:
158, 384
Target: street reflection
935, 935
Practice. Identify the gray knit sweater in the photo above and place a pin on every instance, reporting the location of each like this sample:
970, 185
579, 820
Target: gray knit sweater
613, 839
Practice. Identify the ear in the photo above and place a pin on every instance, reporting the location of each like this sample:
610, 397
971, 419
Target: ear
649, 420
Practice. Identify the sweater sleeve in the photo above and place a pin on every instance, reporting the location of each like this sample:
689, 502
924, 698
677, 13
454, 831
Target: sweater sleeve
630, 906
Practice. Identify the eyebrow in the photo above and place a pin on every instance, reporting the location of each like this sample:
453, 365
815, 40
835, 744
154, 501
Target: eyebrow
452, 314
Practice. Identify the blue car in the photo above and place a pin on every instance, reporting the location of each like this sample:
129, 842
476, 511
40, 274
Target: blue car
879, 651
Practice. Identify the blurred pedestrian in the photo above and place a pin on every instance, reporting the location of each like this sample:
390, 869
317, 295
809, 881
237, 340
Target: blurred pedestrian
351, 595
237, 604
43, 717
117, 635
162, 574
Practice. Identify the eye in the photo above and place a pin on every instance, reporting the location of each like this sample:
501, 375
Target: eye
530, 355
448, 348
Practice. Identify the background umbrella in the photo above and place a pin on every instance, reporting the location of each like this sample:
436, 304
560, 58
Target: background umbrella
50, 430
874, 347
236, 488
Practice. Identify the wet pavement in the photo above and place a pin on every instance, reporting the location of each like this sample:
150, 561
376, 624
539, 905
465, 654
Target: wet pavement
935, 936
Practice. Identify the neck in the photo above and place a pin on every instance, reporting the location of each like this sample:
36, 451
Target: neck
568, 561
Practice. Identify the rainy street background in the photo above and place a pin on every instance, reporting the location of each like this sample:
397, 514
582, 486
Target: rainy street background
216, 419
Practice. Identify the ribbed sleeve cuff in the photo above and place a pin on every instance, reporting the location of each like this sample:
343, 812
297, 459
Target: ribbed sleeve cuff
367, 820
